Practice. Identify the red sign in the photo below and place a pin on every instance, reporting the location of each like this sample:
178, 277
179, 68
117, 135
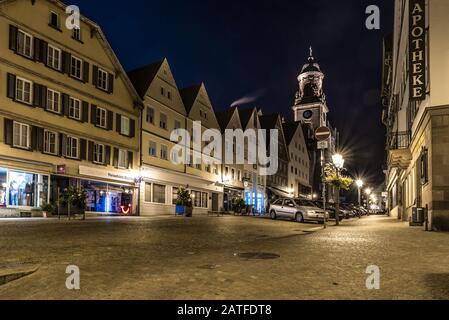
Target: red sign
61, 169
322, 133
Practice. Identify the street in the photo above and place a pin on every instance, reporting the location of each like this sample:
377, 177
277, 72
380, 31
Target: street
223, 258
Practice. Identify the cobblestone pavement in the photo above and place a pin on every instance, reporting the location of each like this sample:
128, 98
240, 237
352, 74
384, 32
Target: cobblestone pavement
178, 258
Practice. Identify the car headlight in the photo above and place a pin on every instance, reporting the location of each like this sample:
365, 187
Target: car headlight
311, 212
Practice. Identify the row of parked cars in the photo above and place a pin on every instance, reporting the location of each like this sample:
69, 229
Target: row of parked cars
302, 210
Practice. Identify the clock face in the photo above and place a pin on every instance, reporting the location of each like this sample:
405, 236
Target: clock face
307, 114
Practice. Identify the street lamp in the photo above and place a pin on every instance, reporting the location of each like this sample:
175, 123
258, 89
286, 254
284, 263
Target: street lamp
359, 184
339, 162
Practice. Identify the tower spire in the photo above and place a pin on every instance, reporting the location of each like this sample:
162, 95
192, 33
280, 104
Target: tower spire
311, 58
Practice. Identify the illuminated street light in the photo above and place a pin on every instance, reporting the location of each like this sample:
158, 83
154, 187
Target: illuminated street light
359, 184
339, 162
368, 191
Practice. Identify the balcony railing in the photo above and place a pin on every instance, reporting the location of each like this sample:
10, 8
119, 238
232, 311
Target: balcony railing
400, 140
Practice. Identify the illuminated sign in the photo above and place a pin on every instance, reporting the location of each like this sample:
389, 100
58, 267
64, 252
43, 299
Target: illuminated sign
417, 49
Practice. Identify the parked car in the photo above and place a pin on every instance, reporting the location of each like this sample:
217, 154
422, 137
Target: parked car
347, 211
296, 209
329, 208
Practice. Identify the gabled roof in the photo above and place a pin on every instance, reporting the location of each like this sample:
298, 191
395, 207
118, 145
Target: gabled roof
143, 76
290, 129
223, 117
245, 116
189, 96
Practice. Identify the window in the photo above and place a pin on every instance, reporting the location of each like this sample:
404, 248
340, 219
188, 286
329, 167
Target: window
216, 170
76, 34
174, 195
124, 126
148, 192
21, 135
424, 164
169, 95
150, 115
174, 157
177, 126
54, 20
164, 152
53, 101
101, 117
75, 109
76, 67
24, 90
99, 153
200, 199
153, 149
232, 174
24, 44
158, 193
72, 148
239, 175
103, 78
54, 57
163, 121
122, 159
162, 91
50, 142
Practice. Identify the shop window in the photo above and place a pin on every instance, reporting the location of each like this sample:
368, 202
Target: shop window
174, 196
50, 142
53, 101
24, 44
3, 186
148, 189
54, 57
200, 199
158, 193
24, 90
75, 109
108, 198
21, 135
22, 187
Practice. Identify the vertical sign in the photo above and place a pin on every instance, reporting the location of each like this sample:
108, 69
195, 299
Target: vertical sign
417, 49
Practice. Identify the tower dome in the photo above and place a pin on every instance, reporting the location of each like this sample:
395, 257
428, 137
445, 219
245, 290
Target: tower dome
310, 82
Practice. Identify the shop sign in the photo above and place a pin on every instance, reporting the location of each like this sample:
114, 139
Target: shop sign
61, 169
417, 49
105, 174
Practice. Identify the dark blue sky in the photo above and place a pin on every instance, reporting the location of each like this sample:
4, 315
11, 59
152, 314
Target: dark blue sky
243, 47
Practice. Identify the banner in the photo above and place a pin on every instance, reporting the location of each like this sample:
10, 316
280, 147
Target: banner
417, 49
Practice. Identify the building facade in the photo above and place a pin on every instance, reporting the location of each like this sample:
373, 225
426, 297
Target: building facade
416, 111
68, 112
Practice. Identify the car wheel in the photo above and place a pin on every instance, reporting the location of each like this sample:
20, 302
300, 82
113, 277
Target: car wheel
273, 215
299, 218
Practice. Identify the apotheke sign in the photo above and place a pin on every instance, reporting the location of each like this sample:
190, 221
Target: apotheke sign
417, 48
95, 172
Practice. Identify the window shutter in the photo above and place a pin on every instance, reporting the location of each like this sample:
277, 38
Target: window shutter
132, 128
65, 101
83, 146
90, 153
130, 159
86, 68
85, 115
115, 158
93, 114
13, 38
8, 131
118, 122
107, 155
110, 120
11, 86
34, 138
95, 76
111, 83
62, 144
37, 92
43, 103
40, 139
44, 51
66, 61
37, 49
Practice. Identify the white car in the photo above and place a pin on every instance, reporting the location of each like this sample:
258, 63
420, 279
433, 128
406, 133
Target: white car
296, 209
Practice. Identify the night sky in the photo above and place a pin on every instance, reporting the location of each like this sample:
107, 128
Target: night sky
256, 49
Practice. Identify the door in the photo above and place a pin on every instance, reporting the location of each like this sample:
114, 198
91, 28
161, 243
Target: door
289, 208
214, 202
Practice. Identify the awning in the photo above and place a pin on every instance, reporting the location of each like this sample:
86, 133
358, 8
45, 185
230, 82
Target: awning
279, 192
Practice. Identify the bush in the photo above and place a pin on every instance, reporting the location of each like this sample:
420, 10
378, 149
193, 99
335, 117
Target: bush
184, 198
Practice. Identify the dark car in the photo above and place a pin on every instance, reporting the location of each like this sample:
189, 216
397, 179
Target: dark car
329, 208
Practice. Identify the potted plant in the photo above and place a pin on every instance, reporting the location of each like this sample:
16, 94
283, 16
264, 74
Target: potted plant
73, 201
47, 210
184, 203
238, 205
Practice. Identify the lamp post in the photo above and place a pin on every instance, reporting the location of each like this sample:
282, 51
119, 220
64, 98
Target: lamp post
338, 161
368, 193
359, 188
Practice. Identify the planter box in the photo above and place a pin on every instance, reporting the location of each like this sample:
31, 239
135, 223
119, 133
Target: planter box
184, 211
64, 211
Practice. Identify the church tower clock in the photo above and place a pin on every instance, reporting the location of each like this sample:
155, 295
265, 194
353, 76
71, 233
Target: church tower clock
310, 103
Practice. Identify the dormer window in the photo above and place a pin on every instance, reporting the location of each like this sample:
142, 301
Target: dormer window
54, 20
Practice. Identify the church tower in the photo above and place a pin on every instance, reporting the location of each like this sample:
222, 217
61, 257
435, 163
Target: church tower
310, 104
